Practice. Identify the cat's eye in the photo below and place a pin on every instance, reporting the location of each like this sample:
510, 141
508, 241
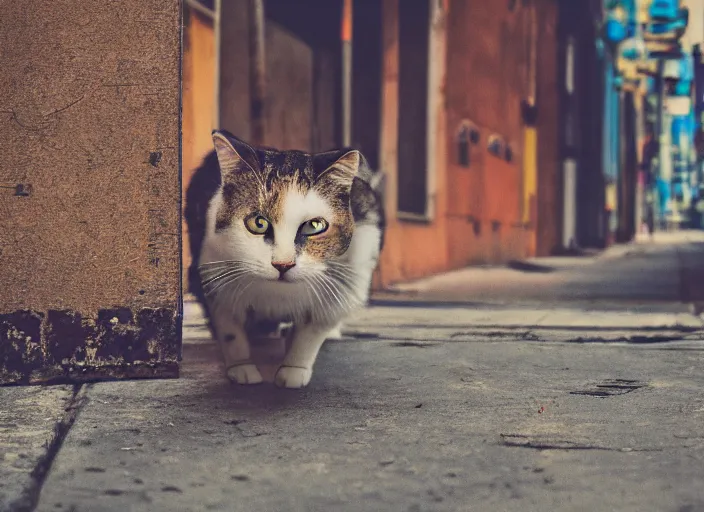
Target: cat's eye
313, 227
256, 224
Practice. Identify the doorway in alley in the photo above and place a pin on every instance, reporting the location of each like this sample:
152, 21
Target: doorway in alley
304, 75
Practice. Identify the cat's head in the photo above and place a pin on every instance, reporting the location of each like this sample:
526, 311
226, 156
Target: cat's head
284, 214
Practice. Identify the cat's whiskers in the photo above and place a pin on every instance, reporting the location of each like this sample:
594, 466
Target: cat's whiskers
343, 269
329, 291
220, 262
338, 284
343, 279
211, 270
310, 285
346, 280
315, 287
335, 291
218, 279
209, 278
224, 285
324, 312
214, 265
216, 284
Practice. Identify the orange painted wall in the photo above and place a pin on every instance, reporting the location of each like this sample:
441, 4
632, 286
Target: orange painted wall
487, 77
198, 100
478, 209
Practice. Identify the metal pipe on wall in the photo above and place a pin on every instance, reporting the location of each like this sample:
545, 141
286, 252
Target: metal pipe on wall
217, 14
346, 41
257, 76
659, 133
571, 164
638, 211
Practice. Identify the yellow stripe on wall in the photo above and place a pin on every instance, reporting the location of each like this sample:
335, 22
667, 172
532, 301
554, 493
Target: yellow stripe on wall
530, 170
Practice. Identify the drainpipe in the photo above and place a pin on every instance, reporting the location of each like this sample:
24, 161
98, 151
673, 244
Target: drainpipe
659, 133
610, 143
615, 155
217, 11
639, 137
257, 72
569, 163
638, 212
346, 40
605, 142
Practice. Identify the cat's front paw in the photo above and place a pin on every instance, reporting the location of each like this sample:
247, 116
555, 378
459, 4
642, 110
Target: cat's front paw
292, 377
244, 374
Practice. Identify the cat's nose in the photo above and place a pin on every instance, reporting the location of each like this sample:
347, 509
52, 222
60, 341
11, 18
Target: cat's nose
283, 267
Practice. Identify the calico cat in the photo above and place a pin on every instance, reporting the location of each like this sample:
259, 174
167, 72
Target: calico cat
281, 237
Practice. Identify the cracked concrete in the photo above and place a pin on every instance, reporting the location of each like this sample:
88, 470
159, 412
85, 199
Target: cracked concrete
33, 422
427, 404
499, 425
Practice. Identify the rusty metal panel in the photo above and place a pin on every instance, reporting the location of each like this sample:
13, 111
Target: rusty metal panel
90, 190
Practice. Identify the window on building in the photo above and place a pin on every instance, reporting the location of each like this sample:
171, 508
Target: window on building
414, 33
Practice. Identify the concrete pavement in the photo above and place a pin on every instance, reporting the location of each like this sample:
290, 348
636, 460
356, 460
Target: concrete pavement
578, 388
650, 275
33, 422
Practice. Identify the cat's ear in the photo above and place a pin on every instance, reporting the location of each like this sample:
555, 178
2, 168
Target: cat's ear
234, 155
340, 166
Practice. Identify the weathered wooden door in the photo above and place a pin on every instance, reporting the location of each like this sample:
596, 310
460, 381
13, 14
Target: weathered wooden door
90, 190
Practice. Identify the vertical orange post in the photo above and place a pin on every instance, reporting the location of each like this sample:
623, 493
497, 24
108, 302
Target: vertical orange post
346, 40
346, 34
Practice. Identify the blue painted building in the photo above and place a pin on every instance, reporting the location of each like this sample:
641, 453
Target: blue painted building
671, 120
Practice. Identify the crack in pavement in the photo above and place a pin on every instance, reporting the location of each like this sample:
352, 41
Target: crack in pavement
614, 387
29, 499
517, 337
563, 445
537, 326
638, 339
417, 344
